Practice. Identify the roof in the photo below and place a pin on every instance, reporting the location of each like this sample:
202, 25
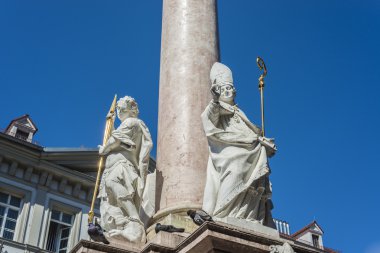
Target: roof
19, 118
307, 227
69, 149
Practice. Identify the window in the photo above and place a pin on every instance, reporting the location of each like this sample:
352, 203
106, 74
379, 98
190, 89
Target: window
59, 231
9, 211
315, 240
22, 135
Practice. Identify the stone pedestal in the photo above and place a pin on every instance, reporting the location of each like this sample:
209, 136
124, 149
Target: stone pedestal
169, 240
208, 238
85, 246
250, 225
189, 47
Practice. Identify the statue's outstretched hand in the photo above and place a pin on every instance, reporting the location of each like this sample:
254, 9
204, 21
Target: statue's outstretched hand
269, 145
215, 91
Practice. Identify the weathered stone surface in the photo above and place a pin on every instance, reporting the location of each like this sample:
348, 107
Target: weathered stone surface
170, 240
85, 246
251, 225
286, 248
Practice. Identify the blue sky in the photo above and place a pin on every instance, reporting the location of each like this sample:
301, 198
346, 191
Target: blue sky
62, 62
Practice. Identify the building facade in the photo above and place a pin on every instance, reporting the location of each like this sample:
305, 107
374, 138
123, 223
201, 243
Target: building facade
45, 193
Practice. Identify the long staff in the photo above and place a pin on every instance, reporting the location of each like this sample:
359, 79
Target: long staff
261, 65
107, 134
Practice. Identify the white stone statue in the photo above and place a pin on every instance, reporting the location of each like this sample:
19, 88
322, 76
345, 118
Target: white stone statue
124, 176
237, 183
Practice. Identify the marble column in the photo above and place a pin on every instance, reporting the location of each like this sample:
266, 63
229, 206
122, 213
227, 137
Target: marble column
189, 47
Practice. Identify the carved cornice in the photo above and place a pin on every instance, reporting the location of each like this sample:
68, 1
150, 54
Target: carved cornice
24, 162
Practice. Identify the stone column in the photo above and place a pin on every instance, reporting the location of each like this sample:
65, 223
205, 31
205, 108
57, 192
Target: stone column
189, 47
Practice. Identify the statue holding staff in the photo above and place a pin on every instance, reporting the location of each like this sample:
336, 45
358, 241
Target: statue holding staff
127, 158
237, 182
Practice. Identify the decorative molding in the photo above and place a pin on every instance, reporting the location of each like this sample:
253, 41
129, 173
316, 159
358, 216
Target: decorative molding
77, 187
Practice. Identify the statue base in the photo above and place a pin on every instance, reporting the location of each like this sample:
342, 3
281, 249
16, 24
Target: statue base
85, 246
166, 239
208, 238
250, 225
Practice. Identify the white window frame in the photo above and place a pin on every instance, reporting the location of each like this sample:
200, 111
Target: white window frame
5, 217
65, 205
26, 194
60, 222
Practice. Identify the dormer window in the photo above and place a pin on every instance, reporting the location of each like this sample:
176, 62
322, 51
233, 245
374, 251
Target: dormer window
22, 128
310, 234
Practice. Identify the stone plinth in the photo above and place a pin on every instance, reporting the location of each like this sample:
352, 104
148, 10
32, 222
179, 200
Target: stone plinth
169, 240
250, 225
189, 47
208, 238
85, 246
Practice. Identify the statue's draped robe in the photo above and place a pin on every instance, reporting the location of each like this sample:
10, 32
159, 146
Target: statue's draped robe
125, 172
237, 182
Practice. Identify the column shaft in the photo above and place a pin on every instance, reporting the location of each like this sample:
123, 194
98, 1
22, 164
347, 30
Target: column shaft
189, 47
